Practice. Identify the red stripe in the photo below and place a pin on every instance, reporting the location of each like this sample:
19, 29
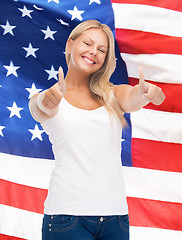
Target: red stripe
6, 237
169, 4
167, 156
139, 42
21, 196
155, 214
173, 100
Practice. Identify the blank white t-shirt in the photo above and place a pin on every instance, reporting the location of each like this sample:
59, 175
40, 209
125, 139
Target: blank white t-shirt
88, 178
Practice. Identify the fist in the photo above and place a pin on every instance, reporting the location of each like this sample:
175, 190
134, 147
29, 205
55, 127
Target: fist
150, 91
54, 94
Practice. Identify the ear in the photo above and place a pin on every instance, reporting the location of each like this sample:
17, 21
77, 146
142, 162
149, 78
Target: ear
68, 45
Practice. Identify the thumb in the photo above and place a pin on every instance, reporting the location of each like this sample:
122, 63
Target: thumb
62, 81
141, 76
142, 84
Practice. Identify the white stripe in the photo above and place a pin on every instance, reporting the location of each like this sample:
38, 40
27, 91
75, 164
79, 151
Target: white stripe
19, 223
27, 171
157, 67
143, 233
153, 184
157, 125
148, 18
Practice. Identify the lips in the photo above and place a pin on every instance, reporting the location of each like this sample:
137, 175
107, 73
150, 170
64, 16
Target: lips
89, 60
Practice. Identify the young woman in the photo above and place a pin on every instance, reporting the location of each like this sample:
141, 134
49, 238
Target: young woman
83, 116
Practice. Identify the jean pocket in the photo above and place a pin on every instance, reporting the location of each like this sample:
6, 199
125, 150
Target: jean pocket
62, 223
124, 222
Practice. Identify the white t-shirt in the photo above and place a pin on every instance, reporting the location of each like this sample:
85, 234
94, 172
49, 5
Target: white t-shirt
88, 178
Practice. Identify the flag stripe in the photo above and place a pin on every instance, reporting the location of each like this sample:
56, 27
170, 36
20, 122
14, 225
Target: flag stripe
32, 223
21, 223
33, 195
172, 93
6, 237
163, 4
31, 172
156, 125
159, 161
139, 42
21, 196
146, 233
153, 184
157, 67
152, 213
130, 16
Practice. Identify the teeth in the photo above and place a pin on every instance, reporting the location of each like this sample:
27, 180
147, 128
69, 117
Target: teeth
89, 61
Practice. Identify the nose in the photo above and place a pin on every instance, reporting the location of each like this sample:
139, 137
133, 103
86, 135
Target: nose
93, 51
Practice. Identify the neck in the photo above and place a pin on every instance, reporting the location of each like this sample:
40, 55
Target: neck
75, 79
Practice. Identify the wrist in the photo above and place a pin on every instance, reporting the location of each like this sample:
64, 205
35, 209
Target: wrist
42, 107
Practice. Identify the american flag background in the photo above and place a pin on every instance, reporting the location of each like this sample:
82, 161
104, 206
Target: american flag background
33, 34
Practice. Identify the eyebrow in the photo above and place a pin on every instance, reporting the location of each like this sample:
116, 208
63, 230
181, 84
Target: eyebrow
99, 45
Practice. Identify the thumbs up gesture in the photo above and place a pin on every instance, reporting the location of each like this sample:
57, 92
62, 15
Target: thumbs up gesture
151, 92
45, 105
53, 95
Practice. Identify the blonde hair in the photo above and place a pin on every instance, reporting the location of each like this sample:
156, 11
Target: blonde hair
100, 86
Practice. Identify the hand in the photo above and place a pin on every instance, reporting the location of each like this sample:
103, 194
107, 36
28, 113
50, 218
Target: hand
150, 91
54, 94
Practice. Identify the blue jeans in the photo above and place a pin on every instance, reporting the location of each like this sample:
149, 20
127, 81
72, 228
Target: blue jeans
68, 227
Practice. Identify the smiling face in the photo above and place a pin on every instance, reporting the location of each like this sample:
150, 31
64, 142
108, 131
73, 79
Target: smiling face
88, 51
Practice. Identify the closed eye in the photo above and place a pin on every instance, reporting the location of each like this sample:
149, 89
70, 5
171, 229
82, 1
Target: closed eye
88, 44
101, 50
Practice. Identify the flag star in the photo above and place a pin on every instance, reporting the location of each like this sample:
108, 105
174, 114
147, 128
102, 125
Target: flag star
30, 50
8, 28
15, 110
48, 33
33, 90
1, 128
56, 1
11, 69
96, 1
62, 22
26, 12
122, 140
52, 73
76, 14
40, 9
36, 133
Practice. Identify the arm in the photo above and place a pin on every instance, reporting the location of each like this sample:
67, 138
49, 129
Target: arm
132, 99
45, 105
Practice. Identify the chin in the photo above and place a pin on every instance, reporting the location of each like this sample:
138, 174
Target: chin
87, 71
